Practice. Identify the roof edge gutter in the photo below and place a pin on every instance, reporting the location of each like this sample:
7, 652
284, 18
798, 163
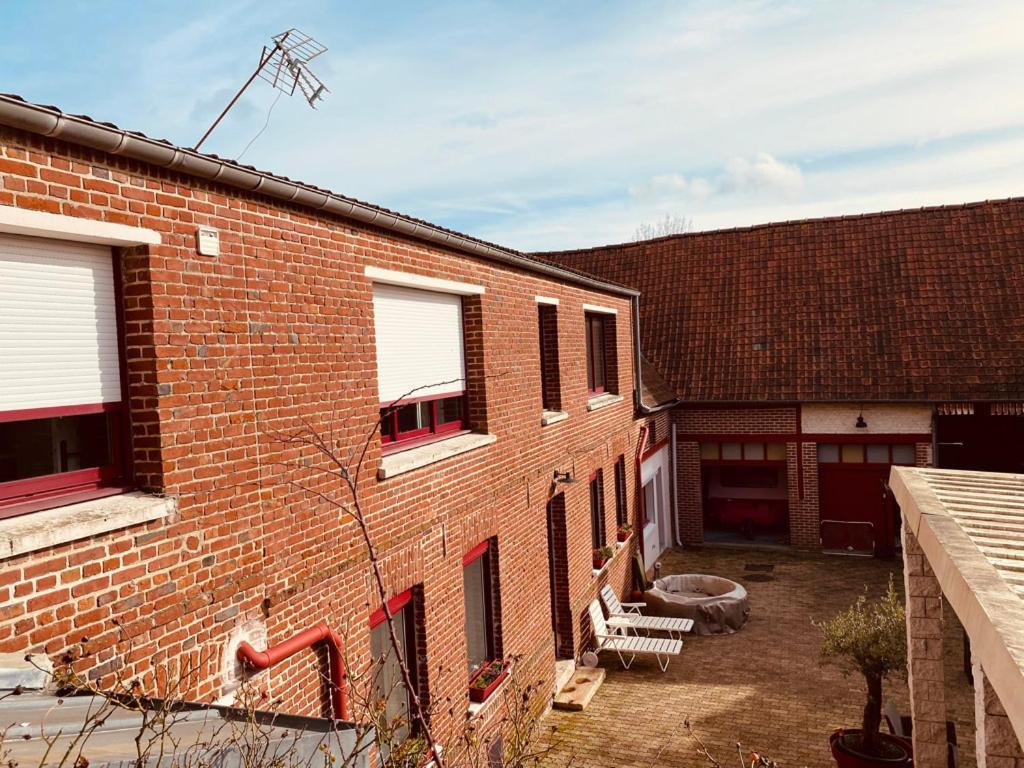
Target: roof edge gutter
53, 123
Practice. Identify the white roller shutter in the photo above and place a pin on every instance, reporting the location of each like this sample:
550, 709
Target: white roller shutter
419, 342
58, 324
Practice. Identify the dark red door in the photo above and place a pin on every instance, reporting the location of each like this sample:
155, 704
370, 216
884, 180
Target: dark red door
852, 503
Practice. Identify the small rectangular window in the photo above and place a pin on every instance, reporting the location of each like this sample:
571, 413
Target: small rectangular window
550, 376
903, 454
597, 370
753, 451
828, 453
709, 451
621, 512
852, 453
732, 451
478, 595
878, 454
776, 451
597, 533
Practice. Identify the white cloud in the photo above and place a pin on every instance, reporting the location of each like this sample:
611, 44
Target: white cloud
762, 172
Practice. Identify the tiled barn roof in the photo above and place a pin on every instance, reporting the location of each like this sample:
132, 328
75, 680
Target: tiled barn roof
923, 304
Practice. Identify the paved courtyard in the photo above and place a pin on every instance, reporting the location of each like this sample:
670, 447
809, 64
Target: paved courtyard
762, 686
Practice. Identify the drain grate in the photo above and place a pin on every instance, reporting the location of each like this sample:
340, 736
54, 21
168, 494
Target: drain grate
759, 577
763, 567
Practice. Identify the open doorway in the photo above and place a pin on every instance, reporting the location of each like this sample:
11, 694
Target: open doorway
744, 493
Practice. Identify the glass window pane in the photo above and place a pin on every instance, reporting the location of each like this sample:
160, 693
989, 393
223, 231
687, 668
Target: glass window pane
828, 453
753, 451
776, 452
878, 454
903, 454
731, 451
597, 353
476, 613
413, 417
853, 453
387, 682
449, 410
49, 446
709, 450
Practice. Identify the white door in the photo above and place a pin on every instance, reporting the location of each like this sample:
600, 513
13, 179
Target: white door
657, 521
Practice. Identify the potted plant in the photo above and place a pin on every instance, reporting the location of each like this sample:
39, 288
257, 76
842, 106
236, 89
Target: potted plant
486, 679
624, 531
601, 556
871, 639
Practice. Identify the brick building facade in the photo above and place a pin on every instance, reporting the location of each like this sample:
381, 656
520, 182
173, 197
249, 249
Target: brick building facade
222, 529
809, 357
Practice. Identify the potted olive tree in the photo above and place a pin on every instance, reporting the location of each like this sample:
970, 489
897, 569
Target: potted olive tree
869, 638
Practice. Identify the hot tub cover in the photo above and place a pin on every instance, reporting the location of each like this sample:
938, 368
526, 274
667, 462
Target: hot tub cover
716, 605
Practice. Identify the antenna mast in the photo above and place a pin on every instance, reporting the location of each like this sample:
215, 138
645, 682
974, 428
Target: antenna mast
285, 66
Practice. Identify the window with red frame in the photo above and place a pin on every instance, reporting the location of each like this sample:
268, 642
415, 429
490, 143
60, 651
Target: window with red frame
388, 684
63, 416
421, 368
860, 453
479, 590
621, 512
597, 363
597, 533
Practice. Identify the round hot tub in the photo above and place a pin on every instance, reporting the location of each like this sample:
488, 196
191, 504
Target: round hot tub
717, 606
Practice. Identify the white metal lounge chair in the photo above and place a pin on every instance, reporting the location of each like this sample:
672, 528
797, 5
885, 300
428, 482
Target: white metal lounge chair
663, 649
675, 628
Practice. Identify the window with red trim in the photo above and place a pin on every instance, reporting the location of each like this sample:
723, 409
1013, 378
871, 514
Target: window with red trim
621, 511
480, 595
597, 363
597, 533
422, 419
391, 695
63, 415
421, 365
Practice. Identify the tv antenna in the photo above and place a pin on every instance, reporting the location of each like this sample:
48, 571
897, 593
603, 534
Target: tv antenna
285, 65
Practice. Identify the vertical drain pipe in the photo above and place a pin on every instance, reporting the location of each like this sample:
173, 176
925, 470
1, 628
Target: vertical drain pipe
675, 494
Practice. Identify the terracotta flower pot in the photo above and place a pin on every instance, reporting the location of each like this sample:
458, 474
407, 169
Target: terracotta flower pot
847, 756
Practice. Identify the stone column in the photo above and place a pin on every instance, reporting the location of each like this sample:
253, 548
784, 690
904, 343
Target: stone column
924, 655
996, 742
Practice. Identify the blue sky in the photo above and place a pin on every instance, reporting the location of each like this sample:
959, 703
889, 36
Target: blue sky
553, 125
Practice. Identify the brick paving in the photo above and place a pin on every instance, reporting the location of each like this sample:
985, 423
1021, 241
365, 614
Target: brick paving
762, 686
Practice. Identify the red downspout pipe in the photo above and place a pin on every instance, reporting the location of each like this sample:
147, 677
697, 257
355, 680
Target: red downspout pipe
305, 639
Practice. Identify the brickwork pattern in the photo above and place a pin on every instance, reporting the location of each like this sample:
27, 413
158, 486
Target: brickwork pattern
925, 659
997, 743
761, 686
226, 355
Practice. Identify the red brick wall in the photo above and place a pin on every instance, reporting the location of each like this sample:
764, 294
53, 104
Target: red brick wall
229, 354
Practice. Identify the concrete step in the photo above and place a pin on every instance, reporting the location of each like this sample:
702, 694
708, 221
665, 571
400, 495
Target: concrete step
576, 694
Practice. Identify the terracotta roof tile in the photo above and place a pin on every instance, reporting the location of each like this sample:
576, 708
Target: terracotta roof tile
918, 305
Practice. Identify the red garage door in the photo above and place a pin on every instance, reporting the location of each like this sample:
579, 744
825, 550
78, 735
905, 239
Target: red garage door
855, 511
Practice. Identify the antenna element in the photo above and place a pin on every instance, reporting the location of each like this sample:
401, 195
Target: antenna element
285, 66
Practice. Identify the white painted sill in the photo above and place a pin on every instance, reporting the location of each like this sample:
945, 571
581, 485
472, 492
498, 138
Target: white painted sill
603, 401
49, 528
406, 461
552, 417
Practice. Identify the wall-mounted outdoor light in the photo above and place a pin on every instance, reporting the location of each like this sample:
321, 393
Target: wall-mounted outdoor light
861, 424
565, 478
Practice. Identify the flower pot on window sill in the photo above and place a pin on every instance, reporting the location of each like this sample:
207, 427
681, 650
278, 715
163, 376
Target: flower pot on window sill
623, 535
486, 681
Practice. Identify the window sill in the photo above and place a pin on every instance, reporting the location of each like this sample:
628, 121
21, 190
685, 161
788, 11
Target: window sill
477, 708
40, 530
406, 461
603, 401
552, 417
